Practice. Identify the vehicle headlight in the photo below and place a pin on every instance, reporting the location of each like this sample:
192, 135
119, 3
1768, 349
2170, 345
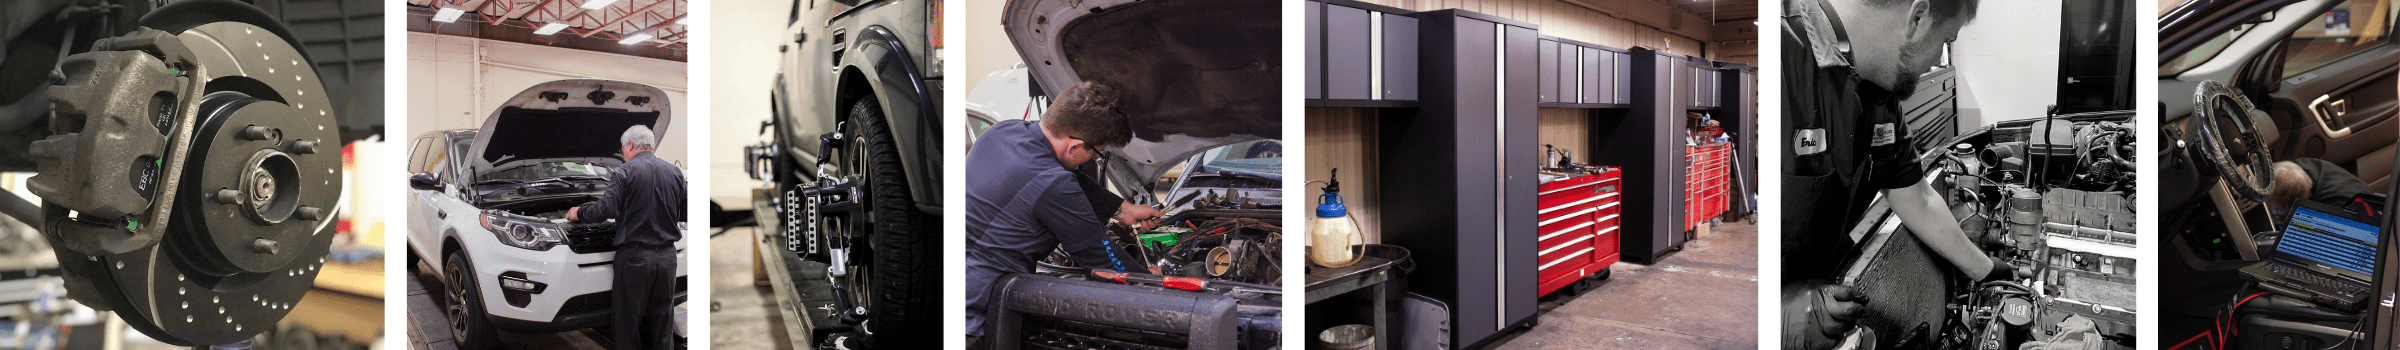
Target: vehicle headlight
523, 232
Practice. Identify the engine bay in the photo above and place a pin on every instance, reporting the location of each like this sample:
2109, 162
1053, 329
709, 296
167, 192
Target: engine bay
2054, 197
1227, 252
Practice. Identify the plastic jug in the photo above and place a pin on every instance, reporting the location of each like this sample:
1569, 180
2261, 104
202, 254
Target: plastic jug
1333, 231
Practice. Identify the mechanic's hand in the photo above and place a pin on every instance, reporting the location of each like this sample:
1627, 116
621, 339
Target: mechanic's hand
571, 213
1155, 271
1816, 314
1141, 217
2002, 270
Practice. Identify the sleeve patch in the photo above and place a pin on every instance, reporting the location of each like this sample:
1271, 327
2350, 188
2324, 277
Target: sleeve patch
1885, 134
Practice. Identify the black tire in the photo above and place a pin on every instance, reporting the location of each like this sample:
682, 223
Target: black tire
903, 245
465, 309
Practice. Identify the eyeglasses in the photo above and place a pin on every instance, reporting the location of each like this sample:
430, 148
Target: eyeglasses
1087, 145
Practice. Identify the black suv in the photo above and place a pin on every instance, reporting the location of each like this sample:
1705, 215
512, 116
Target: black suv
854, 158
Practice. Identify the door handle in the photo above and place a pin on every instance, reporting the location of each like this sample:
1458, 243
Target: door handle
441, 214
2329, 115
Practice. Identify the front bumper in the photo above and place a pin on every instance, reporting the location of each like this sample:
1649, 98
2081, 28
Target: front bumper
574, 289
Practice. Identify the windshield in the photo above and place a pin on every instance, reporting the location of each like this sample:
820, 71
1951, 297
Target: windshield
2206, 51
556, 169
1262, 156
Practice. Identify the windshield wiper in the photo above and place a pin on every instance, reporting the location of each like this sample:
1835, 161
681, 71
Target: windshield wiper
488, 181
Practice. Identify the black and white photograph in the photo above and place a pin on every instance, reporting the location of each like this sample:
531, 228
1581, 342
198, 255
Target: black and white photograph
1959, 174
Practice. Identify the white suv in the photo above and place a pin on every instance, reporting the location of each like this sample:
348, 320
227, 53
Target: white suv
488, 207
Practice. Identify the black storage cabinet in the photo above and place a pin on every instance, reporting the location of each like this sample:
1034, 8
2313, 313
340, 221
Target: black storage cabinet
1577, 74
1649, 141
1360, 55
1739, 113
1461, 194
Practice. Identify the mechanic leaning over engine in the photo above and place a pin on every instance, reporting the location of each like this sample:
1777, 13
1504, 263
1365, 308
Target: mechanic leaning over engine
646, 196
1025, 197
1848, 142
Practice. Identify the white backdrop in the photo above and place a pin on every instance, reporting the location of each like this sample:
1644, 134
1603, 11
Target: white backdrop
456, 81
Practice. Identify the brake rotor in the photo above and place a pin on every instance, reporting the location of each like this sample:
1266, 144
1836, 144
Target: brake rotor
240, 197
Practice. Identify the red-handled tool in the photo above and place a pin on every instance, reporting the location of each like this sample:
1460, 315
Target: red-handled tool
1182, 283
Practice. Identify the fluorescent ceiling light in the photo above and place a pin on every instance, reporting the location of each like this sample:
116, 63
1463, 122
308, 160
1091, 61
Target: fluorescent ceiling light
597, 4
552, 28
448, 15
636, 38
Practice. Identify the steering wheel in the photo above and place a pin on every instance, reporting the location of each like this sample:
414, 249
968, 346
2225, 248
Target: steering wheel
2227, 144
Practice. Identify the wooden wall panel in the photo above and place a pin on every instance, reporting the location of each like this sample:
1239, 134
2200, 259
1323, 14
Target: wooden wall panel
1344, 138
1570, 128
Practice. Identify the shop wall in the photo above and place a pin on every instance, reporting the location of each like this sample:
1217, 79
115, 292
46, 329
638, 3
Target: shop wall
1344, 138
1997, 52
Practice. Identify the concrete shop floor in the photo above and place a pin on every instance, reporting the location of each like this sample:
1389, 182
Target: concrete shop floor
1704, 297
743, 313
428, 329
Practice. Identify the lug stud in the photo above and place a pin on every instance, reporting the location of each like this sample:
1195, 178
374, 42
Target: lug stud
255, 133
229, 196
263, 246
308, 213
304, 147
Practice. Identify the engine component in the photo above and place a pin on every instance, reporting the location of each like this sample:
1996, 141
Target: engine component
2058, 210
190, 182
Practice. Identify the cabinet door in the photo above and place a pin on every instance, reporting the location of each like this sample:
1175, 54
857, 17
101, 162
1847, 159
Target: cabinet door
1589, 91
1549, 71
1316, 51
1347, 52
1399, 57
1621, 83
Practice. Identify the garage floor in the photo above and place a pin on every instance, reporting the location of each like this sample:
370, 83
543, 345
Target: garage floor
1680, 303
743, 315
429, 330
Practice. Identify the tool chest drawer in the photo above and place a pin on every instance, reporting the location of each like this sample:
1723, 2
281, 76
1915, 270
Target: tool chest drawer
1577, 229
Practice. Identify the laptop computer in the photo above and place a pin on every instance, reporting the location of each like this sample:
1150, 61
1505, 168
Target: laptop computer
2327, 255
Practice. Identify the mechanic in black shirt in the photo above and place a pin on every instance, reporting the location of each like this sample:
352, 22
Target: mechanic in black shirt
646, 197
1848, 64
2315, 179
1024, 198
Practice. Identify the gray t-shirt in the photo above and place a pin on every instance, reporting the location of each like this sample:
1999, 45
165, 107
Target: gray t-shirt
1021, 204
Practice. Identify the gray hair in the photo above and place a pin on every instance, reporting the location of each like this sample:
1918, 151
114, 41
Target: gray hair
639, 137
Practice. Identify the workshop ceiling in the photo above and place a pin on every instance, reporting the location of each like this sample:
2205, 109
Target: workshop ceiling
612, 22
1720, 11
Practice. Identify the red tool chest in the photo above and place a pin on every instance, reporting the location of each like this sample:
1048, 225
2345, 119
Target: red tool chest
1578, 229
1706, 182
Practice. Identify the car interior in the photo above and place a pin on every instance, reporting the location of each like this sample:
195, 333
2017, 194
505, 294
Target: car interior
2243, 84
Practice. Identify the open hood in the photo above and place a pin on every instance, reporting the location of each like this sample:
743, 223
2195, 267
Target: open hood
1198, 74
574, 119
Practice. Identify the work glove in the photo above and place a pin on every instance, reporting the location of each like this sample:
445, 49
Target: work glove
2002, 270
1818, 315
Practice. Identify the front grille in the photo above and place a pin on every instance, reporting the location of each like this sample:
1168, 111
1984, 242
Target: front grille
592, 238
586, 304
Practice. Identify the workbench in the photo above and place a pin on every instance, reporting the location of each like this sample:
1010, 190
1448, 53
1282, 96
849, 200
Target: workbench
1371, 272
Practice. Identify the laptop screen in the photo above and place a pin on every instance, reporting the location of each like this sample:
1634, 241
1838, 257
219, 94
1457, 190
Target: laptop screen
2330, 239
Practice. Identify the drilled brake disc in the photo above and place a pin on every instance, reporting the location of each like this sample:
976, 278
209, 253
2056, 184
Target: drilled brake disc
214, 233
